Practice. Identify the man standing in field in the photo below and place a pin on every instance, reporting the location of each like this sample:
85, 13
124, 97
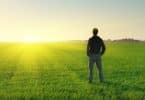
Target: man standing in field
95, 49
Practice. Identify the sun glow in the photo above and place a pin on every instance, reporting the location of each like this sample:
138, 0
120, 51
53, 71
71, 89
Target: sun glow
33, 39
30, 39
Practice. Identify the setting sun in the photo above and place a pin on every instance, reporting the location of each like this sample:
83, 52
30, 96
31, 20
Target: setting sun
30, 39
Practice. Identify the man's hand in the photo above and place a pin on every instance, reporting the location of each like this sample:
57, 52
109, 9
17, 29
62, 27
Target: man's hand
88, 54
88, 47
103, 48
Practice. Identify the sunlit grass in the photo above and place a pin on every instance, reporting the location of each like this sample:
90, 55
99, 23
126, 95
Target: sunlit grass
60, 71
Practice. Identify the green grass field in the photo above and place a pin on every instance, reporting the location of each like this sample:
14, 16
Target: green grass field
59, 71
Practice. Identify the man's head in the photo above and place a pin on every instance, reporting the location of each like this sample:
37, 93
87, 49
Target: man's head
95, 31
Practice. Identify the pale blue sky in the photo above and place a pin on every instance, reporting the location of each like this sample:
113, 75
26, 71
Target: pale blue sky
71, 19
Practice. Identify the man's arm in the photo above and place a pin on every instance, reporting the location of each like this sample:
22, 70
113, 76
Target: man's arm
103, 48
88, 48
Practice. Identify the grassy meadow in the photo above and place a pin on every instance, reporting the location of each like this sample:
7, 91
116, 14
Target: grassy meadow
59, 71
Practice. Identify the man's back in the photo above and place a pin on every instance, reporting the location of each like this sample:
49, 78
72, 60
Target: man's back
96, 45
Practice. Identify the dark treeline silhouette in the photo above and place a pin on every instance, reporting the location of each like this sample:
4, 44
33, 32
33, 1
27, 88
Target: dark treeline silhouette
125, 40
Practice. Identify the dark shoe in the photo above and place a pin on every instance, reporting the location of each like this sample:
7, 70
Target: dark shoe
102, 81
90, 81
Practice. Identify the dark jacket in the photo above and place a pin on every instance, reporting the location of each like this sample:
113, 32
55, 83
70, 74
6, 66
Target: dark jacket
95, 46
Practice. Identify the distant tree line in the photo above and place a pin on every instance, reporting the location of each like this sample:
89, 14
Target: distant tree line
125, 40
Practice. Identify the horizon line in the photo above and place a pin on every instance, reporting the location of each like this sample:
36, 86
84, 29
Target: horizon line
53, 41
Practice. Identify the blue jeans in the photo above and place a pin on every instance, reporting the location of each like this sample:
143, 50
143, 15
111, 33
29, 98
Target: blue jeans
95, 58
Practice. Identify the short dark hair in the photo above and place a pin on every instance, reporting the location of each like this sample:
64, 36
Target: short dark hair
95, 31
